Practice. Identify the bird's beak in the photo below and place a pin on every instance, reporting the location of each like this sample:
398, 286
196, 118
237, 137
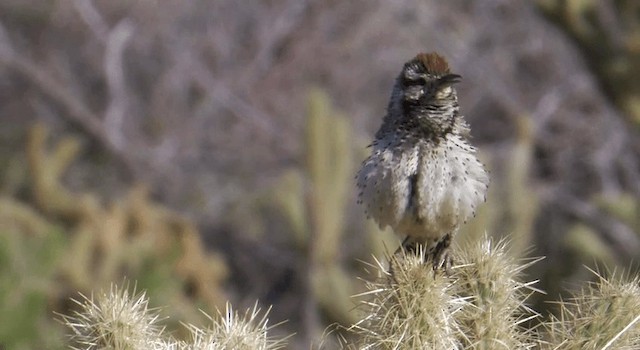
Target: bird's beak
449, 80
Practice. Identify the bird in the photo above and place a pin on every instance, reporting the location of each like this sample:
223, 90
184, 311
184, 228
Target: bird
423, 178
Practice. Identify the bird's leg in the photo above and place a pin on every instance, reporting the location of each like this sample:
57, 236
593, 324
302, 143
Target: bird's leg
438, 254
441, 257
410, 246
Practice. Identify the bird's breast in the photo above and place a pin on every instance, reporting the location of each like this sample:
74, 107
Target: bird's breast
420, 188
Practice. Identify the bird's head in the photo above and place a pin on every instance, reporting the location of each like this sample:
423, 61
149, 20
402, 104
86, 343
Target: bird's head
424, 95
426, 79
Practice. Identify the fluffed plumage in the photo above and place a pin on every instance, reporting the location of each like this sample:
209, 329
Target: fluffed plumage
423, 178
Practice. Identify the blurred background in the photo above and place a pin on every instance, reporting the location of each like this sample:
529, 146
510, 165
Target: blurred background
206, 149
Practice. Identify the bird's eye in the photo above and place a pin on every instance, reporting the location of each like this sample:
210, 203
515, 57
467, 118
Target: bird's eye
415, 82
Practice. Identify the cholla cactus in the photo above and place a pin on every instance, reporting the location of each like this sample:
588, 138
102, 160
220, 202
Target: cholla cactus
115, 320
480, 306
410, 307
235, 332
488, 277
603, 315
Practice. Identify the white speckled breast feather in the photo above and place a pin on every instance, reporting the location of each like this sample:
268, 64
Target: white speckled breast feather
423, 190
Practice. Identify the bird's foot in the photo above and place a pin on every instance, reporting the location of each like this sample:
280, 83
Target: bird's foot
442, 260
440, 256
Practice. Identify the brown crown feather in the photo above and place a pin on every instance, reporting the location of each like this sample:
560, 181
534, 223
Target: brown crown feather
433, 63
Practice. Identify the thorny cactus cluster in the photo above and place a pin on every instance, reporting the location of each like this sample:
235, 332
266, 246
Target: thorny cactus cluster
482, 305
118, 320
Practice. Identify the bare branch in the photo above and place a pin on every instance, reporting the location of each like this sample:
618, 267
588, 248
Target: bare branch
92, 18
114, 71
77, 112
279, 30
225, 97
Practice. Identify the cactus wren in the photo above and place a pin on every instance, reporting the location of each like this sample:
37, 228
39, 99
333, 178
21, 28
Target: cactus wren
423, 178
